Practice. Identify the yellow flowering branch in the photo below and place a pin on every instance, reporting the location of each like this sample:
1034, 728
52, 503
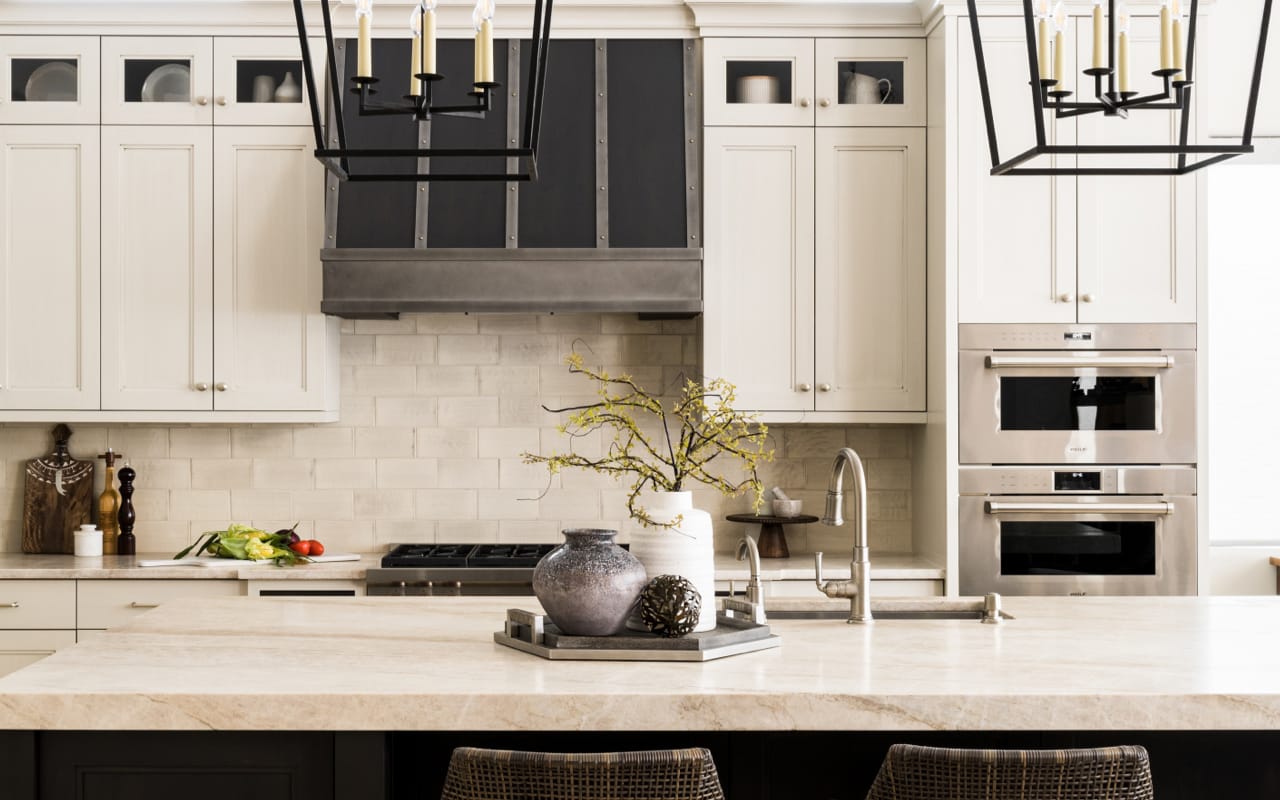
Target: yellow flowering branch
708, 428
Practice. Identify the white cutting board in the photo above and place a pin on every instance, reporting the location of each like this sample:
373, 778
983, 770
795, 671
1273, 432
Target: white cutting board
213, 561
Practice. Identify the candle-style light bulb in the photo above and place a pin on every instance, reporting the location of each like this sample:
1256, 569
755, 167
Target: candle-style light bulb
1175, 10
1099, 40
428, 35
364, 47
1042, 54
415, 51
1166, 36
1122, 31
482, 18
1059, 45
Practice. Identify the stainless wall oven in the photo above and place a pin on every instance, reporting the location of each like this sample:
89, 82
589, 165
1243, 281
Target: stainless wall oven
1046, 530
1063, 394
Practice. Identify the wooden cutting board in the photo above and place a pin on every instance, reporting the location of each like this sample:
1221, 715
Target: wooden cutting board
58, 498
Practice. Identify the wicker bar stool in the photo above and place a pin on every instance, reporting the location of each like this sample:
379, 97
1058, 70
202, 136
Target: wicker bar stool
476, 774
910, 772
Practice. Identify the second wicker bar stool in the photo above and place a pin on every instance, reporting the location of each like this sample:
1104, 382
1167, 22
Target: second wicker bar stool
910, 772
476, 774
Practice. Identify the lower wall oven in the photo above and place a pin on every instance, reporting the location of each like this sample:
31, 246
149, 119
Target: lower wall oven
1057, 530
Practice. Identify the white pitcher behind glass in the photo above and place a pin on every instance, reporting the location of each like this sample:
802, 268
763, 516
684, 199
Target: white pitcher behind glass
860, 88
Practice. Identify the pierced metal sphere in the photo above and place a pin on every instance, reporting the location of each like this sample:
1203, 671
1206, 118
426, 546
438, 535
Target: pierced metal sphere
670, 606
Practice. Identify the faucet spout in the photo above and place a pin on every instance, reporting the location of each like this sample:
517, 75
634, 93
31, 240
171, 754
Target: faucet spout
858, 587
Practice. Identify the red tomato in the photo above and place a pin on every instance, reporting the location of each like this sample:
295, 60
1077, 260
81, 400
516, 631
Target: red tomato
302, 548
317, 549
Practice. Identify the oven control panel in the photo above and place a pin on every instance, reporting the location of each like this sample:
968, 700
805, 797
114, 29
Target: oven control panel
1077, 479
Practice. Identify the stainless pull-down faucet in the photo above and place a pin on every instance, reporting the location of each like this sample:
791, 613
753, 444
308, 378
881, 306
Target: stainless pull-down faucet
858, 587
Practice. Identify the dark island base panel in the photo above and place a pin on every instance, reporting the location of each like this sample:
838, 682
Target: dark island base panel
1241, 765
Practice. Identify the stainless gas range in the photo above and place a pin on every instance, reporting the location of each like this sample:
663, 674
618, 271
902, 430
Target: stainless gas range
455, 570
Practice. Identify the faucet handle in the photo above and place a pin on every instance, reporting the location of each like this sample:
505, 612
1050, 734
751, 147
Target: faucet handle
817, 569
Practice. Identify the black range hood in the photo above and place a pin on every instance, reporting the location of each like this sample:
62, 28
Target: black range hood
384, 282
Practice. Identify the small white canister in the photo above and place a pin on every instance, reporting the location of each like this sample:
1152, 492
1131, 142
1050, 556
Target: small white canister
88, 541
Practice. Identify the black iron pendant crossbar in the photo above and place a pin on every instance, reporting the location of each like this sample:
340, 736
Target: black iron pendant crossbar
343, 159
1112, 101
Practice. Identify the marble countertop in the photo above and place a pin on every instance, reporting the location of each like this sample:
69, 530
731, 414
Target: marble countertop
887, 566
382, 663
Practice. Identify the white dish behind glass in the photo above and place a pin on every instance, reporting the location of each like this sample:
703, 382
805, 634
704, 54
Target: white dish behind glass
52, 82
168, 83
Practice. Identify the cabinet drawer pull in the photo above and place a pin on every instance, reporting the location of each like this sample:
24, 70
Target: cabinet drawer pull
222, 101
804, 102
824, 387
824, 102
136, 604
222, 387
1066, 297
805, 387
202, 100
14, 604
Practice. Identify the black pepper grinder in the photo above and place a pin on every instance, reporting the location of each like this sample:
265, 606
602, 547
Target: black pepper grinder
127, 543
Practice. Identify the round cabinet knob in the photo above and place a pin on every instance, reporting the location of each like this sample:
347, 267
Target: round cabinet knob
1066, 297
824, 387
1086, 298
222, 387
805, 387
202, 101
804, 102
202, 387
824, 102
222, 101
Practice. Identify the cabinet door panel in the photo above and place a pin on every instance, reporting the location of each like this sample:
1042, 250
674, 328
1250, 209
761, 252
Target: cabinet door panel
21, 648
758, 81
157, 268
49, 269
1016, 232
889, 87
869, 269
49, 79
249, 70
1137, 260
157, 80
758, 321
269, 334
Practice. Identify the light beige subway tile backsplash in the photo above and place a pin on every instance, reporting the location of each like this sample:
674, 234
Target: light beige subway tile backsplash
436, 410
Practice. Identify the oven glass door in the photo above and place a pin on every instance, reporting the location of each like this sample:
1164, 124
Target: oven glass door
1050, 407
1056, 545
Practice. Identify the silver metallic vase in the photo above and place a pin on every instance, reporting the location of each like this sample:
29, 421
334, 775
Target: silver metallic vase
589, 585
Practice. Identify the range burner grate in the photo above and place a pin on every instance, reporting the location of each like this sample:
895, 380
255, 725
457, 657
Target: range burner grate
466, 555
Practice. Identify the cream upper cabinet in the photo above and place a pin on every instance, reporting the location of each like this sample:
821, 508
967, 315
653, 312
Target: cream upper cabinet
758, 271
270, 339
1137, 234
870, 269
157, 268
758, 81
49, 80
164, 80
1016, 233
49, 267
869, 82
259, 80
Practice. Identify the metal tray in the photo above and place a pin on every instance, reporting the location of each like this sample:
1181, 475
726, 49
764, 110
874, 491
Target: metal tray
533, 633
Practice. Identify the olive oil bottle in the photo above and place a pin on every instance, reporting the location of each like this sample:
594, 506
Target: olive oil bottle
109, 505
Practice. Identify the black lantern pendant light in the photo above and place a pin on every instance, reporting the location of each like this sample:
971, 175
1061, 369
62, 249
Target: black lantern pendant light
345, 159
1108, 77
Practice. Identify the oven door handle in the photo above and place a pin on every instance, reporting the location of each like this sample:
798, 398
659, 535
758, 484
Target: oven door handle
1144, 509
1081, 362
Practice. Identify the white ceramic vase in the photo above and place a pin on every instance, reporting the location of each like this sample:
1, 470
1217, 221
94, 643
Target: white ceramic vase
687, 550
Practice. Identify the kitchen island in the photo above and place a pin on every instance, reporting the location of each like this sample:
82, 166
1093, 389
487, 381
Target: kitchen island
1062, 671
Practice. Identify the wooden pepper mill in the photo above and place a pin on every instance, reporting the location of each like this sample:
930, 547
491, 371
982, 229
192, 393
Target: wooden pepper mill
127, 544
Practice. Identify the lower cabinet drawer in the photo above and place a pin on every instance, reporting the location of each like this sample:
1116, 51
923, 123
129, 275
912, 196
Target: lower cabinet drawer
20, 648
29, 605
109, 603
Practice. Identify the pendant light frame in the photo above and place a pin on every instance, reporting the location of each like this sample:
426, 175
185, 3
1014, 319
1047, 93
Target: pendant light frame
1176, 97
344, 160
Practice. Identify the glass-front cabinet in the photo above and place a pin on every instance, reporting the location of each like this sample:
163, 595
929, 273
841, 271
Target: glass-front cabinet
166, 80
824, 82
870, 82
49, 80
259, 81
